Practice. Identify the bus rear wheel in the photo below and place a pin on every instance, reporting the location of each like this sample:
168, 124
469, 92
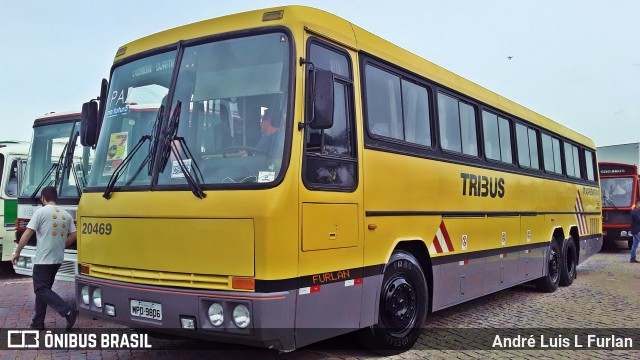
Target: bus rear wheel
549, 282
568, 263
404, 300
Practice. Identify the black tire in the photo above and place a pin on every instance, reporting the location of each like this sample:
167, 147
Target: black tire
404, 300
549, 282
569, 257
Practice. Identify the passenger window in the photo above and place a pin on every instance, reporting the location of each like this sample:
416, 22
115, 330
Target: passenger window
415, 106
384, 103
588, 157
457, 125
527, 142
397, 108
533, 148
572, 160
551, 154
497, 137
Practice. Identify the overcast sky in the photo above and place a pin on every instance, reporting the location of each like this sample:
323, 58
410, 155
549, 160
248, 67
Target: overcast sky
576, 62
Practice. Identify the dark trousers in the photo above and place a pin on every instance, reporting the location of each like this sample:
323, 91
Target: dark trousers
43, 277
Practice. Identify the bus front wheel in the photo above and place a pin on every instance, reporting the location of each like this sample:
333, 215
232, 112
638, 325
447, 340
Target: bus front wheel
404, 300
549, 282
568, 262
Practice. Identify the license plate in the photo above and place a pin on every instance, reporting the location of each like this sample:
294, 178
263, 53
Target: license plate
146, 309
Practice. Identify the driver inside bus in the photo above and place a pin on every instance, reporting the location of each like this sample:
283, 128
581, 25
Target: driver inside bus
270, 130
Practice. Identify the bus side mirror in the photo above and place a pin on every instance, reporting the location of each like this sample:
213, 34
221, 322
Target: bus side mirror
92, 114
89, 123
322, 100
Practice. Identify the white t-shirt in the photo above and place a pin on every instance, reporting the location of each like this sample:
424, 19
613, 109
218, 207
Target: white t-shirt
52, 226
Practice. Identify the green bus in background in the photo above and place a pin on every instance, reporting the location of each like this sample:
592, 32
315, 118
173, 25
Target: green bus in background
12, 153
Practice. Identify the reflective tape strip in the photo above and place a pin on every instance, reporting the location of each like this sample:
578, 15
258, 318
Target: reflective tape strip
352, 282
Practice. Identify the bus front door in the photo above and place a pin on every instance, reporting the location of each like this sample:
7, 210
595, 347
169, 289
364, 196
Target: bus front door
331, 247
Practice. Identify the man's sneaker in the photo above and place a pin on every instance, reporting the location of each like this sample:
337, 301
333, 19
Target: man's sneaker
634, 261
71, 318
36, 326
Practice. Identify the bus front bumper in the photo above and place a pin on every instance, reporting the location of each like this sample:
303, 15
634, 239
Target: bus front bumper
622, 232
185, 312
66, 272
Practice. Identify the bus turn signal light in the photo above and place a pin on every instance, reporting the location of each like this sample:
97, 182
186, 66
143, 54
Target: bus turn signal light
243, 283
84, 269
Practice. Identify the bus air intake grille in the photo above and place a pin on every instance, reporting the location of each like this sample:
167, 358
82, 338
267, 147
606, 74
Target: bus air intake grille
200, 281
68, 268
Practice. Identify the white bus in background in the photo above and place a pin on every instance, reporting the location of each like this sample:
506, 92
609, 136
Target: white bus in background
56, 158
11, 153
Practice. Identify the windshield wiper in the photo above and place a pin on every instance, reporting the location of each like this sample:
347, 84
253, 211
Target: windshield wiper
605, 199
153, 145
169, 140
68, 161
123, 165
155, 139
57, 166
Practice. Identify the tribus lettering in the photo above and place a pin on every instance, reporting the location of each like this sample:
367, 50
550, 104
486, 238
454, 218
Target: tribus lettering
482, 186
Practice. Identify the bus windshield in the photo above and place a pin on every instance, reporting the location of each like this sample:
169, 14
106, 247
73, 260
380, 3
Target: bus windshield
616, 191
233, 98
44, 166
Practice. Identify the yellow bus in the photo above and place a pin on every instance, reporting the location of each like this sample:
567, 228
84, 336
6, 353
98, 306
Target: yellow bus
299, 177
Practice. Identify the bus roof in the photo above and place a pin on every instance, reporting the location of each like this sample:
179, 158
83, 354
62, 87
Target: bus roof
349, 35
14, 147
52, 116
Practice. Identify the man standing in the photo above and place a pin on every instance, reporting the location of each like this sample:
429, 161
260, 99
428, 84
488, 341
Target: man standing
635, 230
54, 229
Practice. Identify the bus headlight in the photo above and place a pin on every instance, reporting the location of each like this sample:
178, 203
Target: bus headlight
22, 261
28, 263
241, 316
84, 293
97, 297
216, 314
623, 233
